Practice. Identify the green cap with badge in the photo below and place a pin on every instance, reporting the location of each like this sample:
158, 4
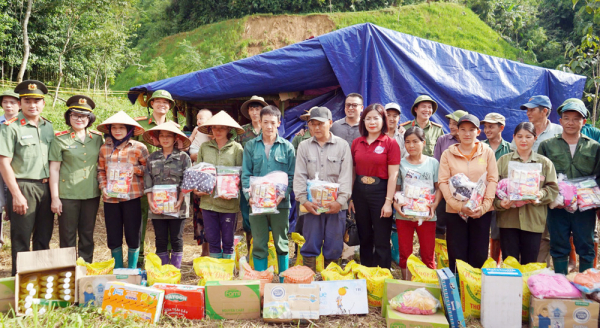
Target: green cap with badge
81, 103
573, 104
164, 94
31, 89
456, 115
8, 93
421, 99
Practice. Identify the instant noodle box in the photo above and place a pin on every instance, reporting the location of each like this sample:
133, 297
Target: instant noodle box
395, 319
89, 290
343, 297
50, 264
563, 313
129, 300
183, 301
451, 298
233, 299
289, 302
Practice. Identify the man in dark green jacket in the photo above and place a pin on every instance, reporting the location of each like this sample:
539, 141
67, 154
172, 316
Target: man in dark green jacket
574, 155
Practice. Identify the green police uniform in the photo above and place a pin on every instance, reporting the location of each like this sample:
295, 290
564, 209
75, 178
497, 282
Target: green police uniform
78, 182
28, 146
298, 139
432, 132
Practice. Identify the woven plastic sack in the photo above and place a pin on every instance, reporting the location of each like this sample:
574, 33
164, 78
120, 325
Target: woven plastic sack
375, 278
420, 272
97, 268
208, 268
335, 272
299, 240
158, 273
272, 256
441, 253
299, 274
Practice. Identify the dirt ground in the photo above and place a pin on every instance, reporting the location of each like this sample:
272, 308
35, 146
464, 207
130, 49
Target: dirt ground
282, 30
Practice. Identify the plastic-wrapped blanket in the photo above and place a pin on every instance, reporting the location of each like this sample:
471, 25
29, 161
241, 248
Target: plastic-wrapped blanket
546, 285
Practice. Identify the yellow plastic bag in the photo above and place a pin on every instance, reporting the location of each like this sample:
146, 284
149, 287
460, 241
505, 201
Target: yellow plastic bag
335, 272
208, 268
470, 287
299, 240
420, 272
98, 268
527, 271
375, 282
272, 257
441, 253
158, 273
238, 254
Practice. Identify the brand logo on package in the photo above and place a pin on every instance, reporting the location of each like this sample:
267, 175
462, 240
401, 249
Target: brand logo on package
398, 325
581, 315
174, 297
233, 293
278, 292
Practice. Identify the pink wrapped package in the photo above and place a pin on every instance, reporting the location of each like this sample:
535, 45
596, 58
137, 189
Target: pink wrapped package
502, 193
552, 286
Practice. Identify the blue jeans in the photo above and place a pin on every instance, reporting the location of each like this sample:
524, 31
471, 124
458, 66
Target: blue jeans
324, 231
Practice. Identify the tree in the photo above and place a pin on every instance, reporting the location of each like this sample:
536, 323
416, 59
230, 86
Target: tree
25, 42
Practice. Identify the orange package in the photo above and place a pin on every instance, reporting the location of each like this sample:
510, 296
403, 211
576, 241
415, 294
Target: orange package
183, 301
265, 277
299, 274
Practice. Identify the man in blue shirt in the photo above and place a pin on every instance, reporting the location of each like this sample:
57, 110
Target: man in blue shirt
264, 154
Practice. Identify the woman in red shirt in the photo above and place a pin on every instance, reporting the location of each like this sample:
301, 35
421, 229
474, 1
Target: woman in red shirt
376, 159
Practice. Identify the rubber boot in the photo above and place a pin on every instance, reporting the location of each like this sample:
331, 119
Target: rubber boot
311, 262
584, 265
117, 254
572, 257
326, 263
395, 247
228, 256
216, 255
164, 257
260, 264
495, 252
132, 257
406, 275
176, 258
595, 255
283, 261
561, 265
169, 256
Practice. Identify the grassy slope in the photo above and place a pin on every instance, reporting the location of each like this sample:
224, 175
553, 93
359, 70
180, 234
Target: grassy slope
447, 23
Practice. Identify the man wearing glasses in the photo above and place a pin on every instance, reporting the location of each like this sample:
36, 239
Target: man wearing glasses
347, 127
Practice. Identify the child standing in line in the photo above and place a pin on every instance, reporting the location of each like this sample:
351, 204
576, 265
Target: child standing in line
165, 167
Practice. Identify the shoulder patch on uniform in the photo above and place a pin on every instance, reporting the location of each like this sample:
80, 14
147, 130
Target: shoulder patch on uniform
436, 124
141, 118
405, 123
58, 134
12, 120
45, 119
96, 132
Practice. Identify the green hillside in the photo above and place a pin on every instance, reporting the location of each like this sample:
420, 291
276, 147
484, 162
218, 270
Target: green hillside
235, 39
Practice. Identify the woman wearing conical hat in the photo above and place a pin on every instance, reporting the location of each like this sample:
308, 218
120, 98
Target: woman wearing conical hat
74, 177
165, 167
220, 214
121, 167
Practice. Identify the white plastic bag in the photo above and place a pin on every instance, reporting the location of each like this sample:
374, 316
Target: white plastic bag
165, 199
524, 180
588, 193
228, 182
264, 192
119, 177
321, 193
201, 177
418, 196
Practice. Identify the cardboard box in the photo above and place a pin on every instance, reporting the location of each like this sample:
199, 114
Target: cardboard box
289, 302
123, 299
451, 298
343, 297
89, 290
395, 319
232, 299
394, 287
183, 301
44, 262
550, 313
7, 294
501, 298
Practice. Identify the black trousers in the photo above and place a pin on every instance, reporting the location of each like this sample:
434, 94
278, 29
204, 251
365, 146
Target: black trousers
165, 228
520, 244
468, 241
442, 217
126, 215
374, 231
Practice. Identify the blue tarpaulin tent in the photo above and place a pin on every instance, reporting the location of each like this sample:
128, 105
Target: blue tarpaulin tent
383, 65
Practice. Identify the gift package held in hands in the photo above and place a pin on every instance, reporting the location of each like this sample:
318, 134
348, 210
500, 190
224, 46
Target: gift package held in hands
567, 195
228, 182
461, 187
165, 199
201, 177
119, 177
524, 180
588, 193
321, 193
418, 197
265, 190
477, 194
502, 193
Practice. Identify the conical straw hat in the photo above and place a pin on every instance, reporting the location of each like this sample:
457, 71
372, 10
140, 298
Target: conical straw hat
222, 119
169, 126
120, 118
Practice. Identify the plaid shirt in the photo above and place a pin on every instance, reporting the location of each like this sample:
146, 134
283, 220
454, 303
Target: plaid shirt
133, 152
